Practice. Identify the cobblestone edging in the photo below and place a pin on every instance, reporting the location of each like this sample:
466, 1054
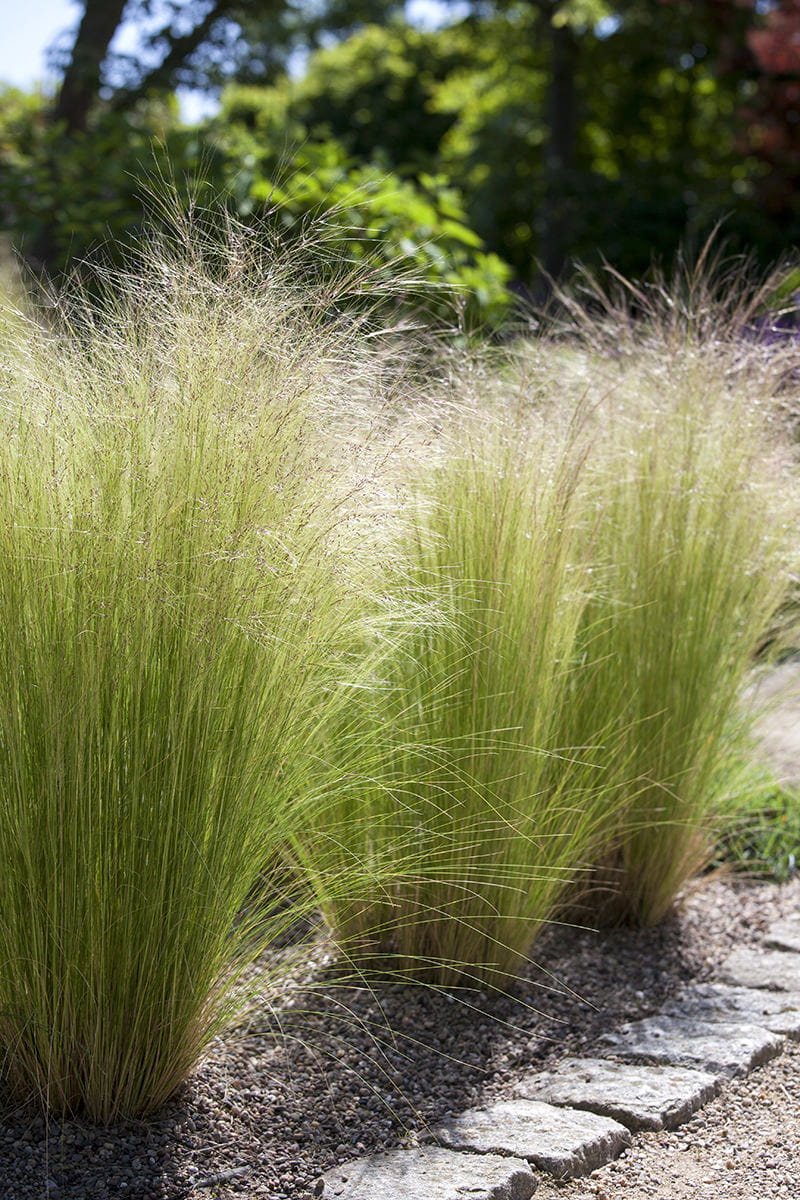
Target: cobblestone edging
651, 1074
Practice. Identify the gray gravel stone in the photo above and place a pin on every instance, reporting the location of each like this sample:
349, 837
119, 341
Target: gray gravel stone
776, 1011
721, 1048
637, 1096
561, 1141
784, 935
291, 1109
430, 1174
776, 970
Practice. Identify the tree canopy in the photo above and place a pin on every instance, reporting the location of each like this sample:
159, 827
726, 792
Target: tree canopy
520, 136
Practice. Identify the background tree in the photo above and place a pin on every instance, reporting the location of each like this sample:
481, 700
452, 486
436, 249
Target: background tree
536, 132
191, 43
568, 136
80, 85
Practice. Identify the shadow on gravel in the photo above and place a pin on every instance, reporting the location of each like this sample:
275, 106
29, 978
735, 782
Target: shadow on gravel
433, 1050
353, 1070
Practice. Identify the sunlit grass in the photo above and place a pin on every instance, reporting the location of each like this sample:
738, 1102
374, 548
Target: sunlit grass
690, 517
177, 611
502, 811
277, 637
597, 597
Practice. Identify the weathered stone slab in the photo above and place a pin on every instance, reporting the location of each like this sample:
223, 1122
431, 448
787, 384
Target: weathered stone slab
784, 935
561, 1141
776, 970
639, 1097
721, 1048
430, 1173
776, 1011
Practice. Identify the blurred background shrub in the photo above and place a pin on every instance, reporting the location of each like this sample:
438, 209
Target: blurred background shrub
475, 145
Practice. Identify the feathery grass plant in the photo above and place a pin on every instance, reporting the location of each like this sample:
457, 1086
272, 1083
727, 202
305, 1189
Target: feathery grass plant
502, 812
674, 627
689, 504
177, 609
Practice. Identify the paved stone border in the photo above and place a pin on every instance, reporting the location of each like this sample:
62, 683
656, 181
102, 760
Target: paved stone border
563, 1142
763, 969
432, 1172
777, 1011
784, 935
720, 1047
574, 1119
643, 1097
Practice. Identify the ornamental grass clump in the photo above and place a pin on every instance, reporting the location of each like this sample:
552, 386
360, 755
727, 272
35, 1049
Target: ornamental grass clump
177, 583
690, 507
688, 549
502, 812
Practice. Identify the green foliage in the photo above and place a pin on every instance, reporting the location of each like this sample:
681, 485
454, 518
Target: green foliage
581, 14
181, 598
91, 195
372, 93
783, 295
494, 148
560, 131
63, 199
413, 231
654, 161
763, 837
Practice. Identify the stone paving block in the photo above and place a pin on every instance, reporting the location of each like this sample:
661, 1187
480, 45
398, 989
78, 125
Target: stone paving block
638, 1096
721, 1048
776, 970
784, 935
776, 1011
429, 1174
562, 1141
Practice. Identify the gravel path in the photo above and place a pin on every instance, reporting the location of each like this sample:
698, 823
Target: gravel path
362, 1071
745, 1143
358, 1071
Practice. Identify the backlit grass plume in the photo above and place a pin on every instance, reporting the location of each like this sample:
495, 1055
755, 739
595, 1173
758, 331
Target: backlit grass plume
502, 812
176, 613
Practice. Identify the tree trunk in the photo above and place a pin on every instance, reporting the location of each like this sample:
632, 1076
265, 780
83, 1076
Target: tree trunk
180, 48
81, 84
559, 151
